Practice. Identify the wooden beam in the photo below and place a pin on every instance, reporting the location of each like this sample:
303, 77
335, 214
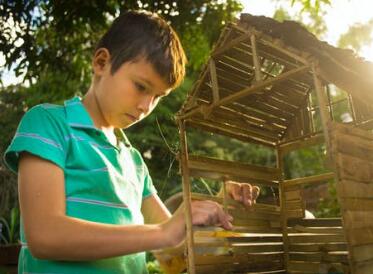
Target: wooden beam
321, 98
258, 74
230, 133
318, 222
229, 45
218, 169
186, 197
259, 86
271, 43
302, 142
308, 180
214, 81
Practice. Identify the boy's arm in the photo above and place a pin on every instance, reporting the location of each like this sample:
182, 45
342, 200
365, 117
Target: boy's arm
154, 210
53, 235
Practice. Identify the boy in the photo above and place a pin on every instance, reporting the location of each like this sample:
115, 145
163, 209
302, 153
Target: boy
85, 192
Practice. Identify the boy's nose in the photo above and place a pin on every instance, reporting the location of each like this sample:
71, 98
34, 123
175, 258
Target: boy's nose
146, 103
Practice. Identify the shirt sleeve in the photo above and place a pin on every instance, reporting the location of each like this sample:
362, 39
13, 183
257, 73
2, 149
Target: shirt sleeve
149, 188
39, 133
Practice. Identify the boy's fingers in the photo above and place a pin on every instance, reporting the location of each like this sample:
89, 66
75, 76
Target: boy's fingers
247, 194
225, 219
255, 192
236, 192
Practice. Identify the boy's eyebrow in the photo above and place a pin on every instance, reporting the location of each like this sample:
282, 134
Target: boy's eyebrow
149, 83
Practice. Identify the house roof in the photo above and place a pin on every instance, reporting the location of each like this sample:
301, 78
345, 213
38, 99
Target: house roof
339, 66
232, 97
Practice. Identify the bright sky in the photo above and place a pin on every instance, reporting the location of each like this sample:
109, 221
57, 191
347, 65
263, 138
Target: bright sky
341, 15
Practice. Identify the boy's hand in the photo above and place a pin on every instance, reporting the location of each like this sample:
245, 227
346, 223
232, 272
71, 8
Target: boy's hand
205, 213
242, 192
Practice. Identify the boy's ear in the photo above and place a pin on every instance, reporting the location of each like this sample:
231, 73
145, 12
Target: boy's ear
101, 61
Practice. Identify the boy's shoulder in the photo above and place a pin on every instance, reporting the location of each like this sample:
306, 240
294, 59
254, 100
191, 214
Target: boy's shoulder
46, 111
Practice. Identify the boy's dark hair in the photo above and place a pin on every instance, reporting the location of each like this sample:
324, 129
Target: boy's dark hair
143, 34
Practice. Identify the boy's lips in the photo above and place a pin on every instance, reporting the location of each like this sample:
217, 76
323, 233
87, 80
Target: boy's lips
132, 117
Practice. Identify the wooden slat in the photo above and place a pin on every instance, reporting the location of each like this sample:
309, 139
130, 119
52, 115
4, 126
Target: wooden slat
239, 258
354, 146
360, 236
244, 127
358, 204
293, 204
293, 195
332, 257
354, 169
316, 247
291, 214
317, 230
186, 197
308, 180
311, 238
258, 73
318, 222
255, 223
231, 115
362, 253
214, 81
351, 130
352, 189
269, 42
252, 267
229, 132
308, 267
230, 44
322, 103
305, 141
364, 268
241, 248
200, 165
259, 86
253, 112
259, 103
357, 219
252, 214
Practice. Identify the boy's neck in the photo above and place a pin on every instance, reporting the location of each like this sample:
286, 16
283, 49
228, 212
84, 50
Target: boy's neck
92, 105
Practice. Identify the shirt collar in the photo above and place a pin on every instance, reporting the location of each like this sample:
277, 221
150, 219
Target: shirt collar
78, 117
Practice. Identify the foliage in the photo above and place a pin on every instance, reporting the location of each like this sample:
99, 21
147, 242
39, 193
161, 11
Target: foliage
311, 5
9, 232
60, 36
153, 267
310, 14
357, 36
329, 207
51, 43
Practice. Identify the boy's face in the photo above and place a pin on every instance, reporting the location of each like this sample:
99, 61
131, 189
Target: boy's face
130, 94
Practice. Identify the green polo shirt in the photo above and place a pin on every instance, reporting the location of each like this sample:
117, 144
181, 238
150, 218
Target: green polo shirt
103, 183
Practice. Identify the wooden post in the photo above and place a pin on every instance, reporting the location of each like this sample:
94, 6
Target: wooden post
284, 223
225, 197
258, 74
351, 104
186, 197
214, 81
310, 108
329, 103
325, 118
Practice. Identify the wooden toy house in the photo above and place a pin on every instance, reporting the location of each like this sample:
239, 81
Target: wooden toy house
271, 83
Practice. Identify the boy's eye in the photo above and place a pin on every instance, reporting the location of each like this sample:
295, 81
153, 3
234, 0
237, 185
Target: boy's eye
140, 87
